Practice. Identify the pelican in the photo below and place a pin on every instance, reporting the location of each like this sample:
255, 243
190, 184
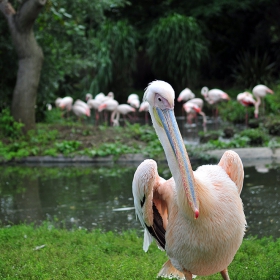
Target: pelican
197, 216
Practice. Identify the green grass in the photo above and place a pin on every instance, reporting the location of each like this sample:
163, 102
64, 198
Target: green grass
81, 254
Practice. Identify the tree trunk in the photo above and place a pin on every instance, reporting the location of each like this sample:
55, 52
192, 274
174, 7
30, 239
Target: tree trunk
30, 57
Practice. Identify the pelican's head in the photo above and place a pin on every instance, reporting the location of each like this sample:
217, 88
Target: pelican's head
159, 88
160, 96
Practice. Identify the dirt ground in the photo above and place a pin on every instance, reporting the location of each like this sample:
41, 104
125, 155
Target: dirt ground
91, 136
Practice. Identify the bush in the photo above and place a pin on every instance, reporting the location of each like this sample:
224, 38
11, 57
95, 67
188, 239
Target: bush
273, 126
8, 126
176, 41
234, 112
252, 69
257, 136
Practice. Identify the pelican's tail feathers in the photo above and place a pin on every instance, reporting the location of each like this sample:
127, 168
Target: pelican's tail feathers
148, 239
169, 271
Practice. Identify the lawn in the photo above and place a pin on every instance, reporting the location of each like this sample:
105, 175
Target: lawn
46, 252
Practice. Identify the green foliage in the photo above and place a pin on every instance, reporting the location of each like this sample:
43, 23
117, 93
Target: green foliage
273, 125
272, 101
8, 126
45, 252
54, 116
115, 54
252, 69
236, 142
108, 149
257, 136
67, 147
234, 112
143, 132
176, 48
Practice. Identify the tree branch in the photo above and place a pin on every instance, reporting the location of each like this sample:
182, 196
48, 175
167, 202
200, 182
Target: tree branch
28, 13
7, 9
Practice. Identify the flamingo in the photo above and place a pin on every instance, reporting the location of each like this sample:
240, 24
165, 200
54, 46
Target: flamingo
194, 107
122, 109
96, 102
214, 96
131, 97
196, 216
144, 107
80, 109
109, 105
88, 96
66, 103
133, 100
259, 92
100, 96
57, 101
247, 100
185, 95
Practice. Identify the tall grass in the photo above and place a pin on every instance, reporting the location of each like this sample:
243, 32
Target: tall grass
176, 48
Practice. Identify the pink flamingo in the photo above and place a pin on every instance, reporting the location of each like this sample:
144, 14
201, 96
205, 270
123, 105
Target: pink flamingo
133, 100
131, 97
66, 103
122, 109
246, 99
80, 109
194, 107
259, 92
214, 96
95, 103
144, 107
196, 216
109, 105
185, 95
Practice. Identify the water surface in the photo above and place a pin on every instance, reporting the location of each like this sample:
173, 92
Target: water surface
93, 196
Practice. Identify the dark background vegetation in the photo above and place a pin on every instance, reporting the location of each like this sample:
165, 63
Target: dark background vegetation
121, 46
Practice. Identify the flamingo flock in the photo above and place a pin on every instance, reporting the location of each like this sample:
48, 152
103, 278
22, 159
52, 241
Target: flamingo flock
109, 109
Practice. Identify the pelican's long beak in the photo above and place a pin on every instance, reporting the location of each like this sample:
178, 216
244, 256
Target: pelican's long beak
166, 119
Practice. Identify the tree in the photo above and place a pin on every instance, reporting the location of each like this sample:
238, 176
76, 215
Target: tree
30, 58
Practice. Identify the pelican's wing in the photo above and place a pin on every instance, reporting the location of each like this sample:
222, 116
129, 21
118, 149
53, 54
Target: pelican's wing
233, 166
150, 207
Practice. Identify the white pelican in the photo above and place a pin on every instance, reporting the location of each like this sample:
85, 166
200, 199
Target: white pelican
259, 92
196, 216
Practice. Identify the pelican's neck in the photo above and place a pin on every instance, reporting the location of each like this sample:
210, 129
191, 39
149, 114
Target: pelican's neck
180, 181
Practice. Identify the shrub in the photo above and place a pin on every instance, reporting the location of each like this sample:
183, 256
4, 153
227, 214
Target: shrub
257, 136
273, 126
177, 42
234, 112
252, 69
8, 126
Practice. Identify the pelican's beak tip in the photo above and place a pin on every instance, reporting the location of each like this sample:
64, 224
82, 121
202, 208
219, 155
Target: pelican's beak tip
196, 213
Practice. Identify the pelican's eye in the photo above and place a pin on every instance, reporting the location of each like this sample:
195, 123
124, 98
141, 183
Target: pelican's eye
162, 102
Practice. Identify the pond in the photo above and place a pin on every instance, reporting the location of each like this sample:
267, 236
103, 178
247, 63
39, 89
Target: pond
94, 196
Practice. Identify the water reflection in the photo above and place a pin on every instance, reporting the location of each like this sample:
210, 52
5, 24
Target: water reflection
93, 196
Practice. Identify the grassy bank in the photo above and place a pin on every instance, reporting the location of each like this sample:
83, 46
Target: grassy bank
46, 252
